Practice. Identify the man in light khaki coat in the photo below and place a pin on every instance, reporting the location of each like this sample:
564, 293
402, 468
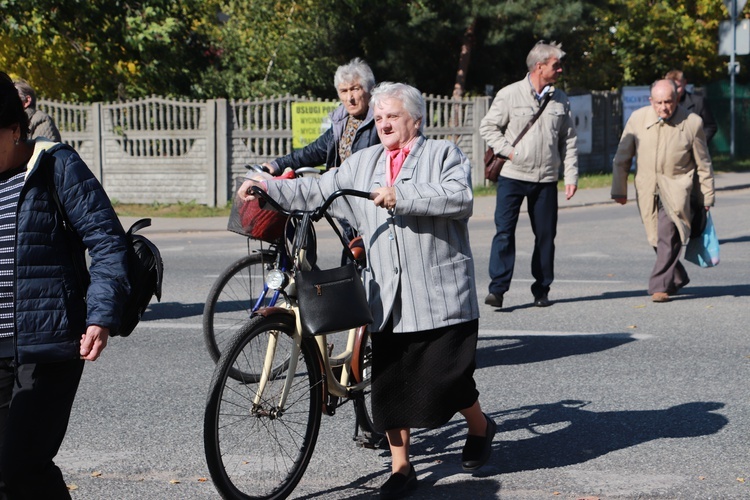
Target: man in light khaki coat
672, 163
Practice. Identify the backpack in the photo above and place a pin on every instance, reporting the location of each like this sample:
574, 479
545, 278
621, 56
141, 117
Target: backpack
145, 266
145, 272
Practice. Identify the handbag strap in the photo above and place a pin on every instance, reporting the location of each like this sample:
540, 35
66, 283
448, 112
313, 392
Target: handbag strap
341, 237
301, 234
536, 116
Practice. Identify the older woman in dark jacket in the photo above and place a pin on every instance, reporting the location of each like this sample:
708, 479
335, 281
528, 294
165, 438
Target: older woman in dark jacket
352, 128
51, 318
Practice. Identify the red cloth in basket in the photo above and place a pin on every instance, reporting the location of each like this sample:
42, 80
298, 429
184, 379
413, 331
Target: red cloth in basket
266, 225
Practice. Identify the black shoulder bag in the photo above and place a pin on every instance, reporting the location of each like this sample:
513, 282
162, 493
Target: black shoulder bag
331, 300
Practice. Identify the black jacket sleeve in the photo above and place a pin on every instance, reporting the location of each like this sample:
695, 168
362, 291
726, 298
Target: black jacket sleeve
312, 155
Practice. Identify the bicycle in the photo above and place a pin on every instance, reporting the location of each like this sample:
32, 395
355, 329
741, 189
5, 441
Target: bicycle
241, 289
272, 385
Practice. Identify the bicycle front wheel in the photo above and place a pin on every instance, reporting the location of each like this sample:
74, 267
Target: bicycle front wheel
254, 448
232, 298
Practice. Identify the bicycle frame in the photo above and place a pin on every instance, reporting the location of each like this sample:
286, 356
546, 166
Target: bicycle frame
283, 264
335, 386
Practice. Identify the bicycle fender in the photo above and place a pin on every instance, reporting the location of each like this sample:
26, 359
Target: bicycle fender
270, 311
357, 354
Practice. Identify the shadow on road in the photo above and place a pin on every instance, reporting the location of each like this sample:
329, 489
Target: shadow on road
739, 239
517, 350
714, 291
566, 433
172, 310
535, 437
604, 296
688, 292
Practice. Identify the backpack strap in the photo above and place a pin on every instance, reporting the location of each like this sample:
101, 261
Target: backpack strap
158, 263
139, 224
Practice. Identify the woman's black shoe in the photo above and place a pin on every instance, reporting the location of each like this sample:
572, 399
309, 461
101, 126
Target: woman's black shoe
398, 485
477, 449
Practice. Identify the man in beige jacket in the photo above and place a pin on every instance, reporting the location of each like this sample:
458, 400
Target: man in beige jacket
532, 169
672, 164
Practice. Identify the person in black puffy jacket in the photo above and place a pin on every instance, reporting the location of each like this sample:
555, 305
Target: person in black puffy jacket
54, 316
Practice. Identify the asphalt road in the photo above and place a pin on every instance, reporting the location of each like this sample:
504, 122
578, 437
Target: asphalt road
602, 395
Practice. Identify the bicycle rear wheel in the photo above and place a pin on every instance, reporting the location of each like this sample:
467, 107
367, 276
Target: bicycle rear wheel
369, 438
232, 298
260, 451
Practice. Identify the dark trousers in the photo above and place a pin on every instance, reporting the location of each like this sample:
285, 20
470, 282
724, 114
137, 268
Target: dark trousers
542, 204
668, 274
35, 406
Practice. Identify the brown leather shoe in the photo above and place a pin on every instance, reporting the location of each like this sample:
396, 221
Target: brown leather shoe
660, 297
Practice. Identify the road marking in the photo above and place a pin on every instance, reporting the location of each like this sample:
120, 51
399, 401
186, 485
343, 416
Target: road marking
541, 333
588, 255
154, 323
574, 281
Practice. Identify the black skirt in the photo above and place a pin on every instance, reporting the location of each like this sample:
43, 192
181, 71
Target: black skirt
420, 380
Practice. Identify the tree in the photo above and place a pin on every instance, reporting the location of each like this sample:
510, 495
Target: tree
115, 49
105, 49
267, 47
648, 38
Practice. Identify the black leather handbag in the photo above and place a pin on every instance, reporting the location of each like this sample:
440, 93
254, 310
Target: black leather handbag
332, 300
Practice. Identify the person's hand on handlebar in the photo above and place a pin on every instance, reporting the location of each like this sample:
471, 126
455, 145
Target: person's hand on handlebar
244, 193
385, 197
270, 168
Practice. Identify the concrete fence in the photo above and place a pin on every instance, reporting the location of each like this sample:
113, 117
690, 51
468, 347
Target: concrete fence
169, 150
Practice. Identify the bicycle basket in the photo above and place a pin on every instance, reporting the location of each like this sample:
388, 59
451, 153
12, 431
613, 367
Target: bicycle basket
249, 219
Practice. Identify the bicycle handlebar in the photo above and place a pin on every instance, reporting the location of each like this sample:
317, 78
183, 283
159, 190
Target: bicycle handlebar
298, 172
318, 212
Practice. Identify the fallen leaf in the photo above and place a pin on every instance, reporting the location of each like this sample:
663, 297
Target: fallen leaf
96, 473
555, 492
701, 478
741, 479
174, 481
202, 479
632, 327
72, 487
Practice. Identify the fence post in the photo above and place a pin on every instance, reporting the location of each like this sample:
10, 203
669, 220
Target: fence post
222, 165
94, 127
480, 109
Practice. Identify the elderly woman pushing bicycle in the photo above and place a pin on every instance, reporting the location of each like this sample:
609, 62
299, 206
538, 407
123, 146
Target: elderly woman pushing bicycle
419, 279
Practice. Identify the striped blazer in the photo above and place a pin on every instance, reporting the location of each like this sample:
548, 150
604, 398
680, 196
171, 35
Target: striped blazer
420, 267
